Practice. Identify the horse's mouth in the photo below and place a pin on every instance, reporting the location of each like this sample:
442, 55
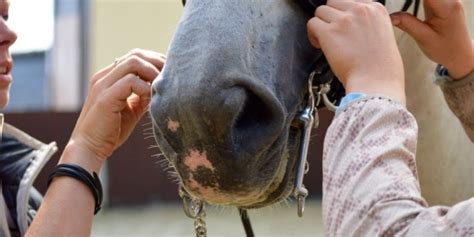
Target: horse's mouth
236, 149
279, 188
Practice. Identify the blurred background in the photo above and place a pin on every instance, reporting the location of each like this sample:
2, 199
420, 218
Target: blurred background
61, 43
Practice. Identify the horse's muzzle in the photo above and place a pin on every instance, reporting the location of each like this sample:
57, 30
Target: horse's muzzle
226, 138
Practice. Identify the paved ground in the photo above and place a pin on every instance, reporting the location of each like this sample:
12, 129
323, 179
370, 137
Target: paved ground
169, 220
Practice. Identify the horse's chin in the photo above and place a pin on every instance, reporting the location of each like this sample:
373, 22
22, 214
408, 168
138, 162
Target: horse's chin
285, 185
282, 192
279, 189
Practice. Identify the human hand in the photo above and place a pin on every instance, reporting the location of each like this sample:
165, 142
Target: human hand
119, 96
443, 36
358, 40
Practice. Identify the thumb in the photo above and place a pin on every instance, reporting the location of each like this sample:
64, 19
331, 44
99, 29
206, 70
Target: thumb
408, 23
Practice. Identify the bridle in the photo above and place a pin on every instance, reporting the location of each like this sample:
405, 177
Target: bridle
323, 90
310, 6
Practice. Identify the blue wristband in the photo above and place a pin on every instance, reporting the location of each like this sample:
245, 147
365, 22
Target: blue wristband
348, 99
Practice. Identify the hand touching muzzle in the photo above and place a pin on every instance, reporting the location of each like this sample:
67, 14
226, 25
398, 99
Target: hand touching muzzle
119, 96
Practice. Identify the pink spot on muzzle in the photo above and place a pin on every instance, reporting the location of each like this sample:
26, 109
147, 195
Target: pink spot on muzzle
209, 190
173, 125
195, 159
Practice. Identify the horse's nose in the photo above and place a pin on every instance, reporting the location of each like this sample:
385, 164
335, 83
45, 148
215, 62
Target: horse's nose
232, 128
257, 119
242, 119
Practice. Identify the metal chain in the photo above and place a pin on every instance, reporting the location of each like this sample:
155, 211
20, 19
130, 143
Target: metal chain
200, 225
194, 209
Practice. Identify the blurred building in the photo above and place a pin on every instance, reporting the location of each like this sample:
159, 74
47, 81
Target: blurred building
31, 88
74, 38
31, 53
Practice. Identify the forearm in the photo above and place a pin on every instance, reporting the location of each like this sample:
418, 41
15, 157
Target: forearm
370, 182
369, 163
68, 207
459, 67
118, 97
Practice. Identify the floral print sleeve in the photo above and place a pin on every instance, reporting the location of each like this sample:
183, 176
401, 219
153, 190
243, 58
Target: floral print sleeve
370, 180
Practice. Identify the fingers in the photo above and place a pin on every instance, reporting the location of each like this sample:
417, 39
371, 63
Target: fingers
134, 64
132, 96
439, 6
336, 8
129, 84
333, 12
314, 26
418, 29
154, 58
346, 4
119, 95
102, 73
143, 63
327, 13
137, 106
340, 5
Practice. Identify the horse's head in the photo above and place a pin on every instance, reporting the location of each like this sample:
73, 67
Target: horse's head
222, 108
235, 74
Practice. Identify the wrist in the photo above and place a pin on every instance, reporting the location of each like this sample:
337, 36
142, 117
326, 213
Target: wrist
395, 95
75, 153
458, 72
392, 89
461, 68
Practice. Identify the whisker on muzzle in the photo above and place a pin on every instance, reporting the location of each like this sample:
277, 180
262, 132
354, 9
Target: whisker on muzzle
153, 147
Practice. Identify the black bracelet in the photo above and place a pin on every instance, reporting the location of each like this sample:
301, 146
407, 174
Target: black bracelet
78, 173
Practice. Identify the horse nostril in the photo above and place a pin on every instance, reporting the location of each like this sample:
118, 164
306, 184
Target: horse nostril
258, 122
254, 112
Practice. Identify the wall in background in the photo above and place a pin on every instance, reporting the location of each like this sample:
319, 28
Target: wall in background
121, 25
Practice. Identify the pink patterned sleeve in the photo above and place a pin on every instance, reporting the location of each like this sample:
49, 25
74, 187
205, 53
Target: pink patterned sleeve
370, 180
